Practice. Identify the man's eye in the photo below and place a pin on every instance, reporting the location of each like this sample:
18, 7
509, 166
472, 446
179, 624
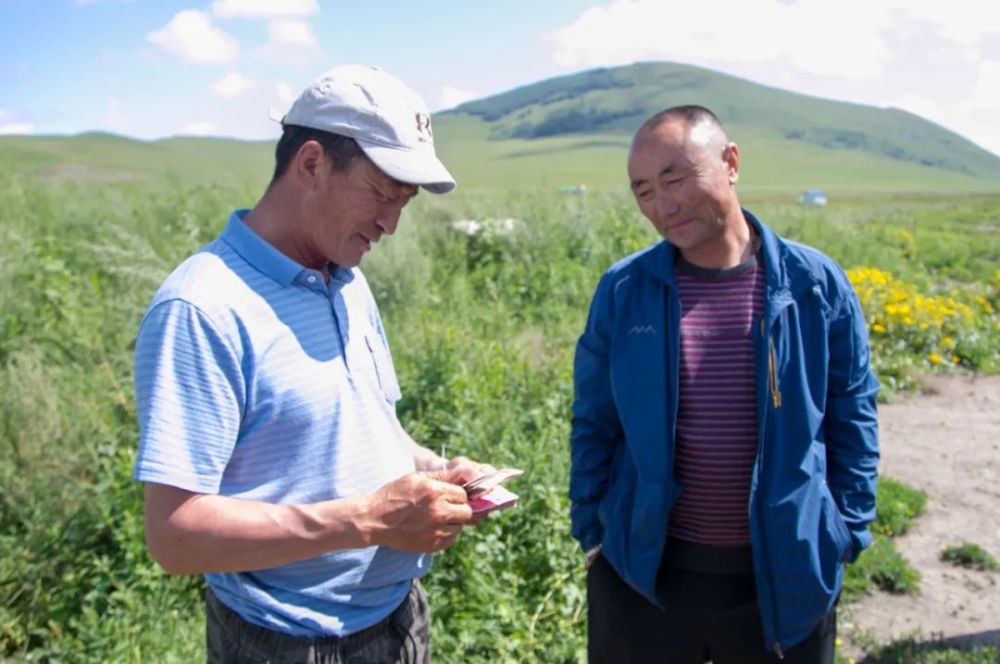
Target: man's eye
644, 195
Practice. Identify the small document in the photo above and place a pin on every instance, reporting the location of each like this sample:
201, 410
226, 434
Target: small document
486, 493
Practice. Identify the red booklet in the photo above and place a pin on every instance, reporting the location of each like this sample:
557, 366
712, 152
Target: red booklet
486, 494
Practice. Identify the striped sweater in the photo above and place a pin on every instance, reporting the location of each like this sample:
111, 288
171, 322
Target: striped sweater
717, 413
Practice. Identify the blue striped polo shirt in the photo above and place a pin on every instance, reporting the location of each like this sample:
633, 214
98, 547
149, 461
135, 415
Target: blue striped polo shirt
256, 379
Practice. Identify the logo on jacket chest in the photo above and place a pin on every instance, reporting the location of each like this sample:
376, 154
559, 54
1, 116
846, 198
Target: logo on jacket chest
641, 330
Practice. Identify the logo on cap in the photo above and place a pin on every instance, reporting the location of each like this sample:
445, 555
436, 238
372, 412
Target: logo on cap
424, 126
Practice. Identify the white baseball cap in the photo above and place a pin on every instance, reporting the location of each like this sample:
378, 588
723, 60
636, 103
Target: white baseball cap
387, 119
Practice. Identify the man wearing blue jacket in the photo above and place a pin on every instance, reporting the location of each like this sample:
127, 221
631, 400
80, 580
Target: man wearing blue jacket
724, 439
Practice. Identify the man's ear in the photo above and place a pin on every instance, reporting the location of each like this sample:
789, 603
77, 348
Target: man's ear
731, 155
307, 164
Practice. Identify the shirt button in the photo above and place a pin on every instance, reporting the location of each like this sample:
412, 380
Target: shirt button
311, 278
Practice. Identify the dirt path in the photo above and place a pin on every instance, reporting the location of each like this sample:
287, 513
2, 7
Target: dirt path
947, 443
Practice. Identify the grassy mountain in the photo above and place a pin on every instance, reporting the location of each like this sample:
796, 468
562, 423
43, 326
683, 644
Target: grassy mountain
575, 130
616, 101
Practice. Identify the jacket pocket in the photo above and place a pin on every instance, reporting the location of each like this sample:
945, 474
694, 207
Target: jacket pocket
835, 525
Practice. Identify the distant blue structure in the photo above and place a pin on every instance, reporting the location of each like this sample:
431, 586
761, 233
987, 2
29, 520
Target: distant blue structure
813, 197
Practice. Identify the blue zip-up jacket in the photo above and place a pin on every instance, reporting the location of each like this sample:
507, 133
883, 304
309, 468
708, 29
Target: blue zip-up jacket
812, 492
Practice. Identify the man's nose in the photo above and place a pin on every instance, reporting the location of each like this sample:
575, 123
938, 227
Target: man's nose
666, 205
388, 219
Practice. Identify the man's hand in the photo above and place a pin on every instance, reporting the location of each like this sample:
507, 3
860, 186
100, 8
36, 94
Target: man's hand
421, 512
464, 470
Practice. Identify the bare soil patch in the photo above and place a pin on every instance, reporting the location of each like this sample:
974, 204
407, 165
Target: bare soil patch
945, 442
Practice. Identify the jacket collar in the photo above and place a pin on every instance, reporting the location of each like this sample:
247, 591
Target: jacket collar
775, 273
659, 261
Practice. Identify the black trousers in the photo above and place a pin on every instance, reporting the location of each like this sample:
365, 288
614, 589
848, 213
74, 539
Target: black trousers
403, 637
708, 617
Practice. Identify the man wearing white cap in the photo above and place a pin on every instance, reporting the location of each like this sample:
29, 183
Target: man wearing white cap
273, 460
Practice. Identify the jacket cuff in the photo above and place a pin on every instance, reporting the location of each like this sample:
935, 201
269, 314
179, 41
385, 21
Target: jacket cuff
591, 540
860, 540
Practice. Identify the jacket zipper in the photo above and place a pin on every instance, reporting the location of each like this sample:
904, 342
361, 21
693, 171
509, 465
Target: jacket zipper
773, 372
775, 393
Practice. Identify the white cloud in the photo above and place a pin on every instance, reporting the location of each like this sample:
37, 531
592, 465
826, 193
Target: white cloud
232, 85
452, 97
285, 94
191, 36
975, 116
264, 8
987, 91
291, 32
292, 42
811, 34
959, 21
929, 57
20, 128
199, 129
979, 116
282, 101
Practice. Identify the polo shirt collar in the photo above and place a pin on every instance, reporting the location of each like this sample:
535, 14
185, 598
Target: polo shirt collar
264, 257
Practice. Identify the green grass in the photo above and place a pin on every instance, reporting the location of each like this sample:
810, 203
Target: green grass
914, 651
897, 505
971, 556
881, 567
482, 333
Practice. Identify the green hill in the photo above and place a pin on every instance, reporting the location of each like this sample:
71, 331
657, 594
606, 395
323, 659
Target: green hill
101, 157
616, 101
769, 163
575, 130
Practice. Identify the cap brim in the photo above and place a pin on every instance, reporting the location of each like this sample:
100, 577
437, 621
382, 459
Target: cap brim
411, 166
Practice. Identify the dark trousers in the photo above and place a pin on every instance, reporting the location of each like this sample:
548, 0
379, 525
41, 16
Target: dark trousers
402, 637
707, 617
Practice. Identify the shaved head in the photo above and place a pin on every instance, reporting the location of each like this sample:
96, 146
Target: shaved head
703, 127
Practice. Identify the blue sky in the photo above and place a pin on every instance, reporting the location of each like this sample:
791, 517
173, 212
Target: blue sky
153, 68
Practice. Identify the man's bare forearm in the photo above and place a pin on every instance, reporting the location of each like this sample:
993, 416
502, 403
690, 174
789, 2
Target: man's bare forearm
189, 533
